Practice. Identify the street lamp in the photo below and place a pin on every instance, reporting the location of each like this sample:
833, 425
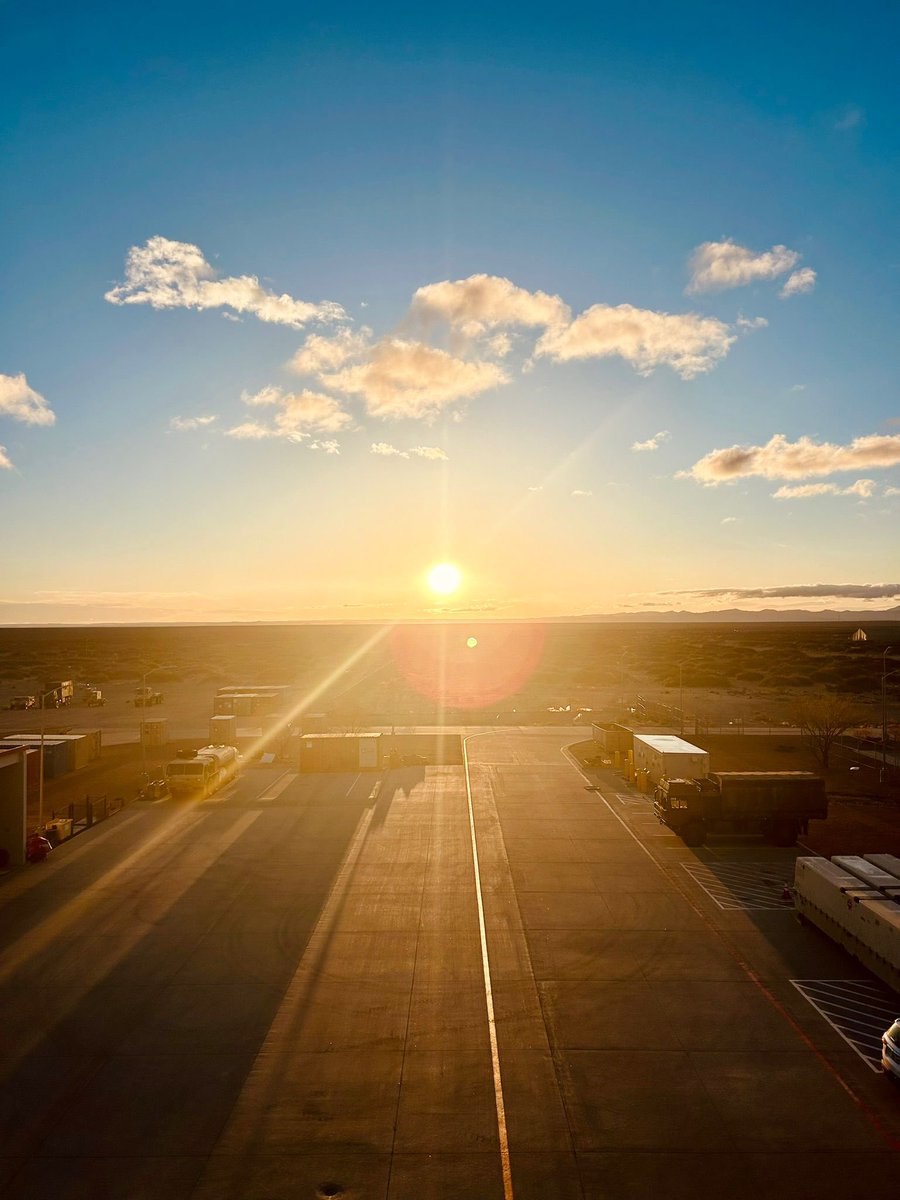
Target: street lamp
44, 695
885, 676
681, 695
146, 675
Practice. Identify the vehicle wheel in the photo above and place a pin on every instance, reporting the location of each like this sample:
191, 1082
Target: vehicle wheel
785, 833
694, 833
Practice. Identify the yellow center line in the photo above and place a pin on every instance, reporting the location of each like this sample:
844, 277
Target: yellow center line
488, 990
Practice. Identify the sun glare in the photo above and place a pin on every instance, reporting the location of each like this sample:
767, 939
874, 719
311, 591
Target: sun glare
444, 578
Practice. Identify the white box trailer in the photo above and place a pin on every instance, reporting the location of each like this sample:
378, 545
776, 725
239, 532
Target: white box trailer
870, 873
855, 914
664, 754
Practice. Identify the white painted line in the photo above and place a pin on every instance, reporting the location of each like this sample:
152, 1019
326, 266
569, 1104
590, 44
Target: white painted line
488, 992
281, 783
867, 1059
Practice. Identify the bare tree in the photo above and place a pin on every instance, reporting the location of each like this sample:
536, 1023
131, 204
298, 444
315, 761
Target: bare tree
822, 719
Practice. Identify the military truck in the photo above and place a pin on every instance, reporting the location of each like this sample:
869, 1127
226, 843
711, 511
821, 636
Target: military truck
145, 696
779, 805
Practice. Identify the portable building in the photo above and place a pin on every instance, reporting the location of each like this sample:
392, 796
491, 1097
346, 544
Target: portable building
155, 732
660, 754
339, 752
223, 730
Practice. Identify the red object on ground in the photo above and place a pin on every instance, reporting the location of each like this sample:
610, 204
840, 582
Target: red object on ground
37, 848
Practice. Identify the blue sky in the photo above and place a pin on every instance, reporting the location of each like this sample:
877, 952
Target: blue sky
455, 208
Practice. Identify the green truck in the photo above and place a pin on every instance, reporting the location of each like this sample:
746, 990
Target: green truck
777, 804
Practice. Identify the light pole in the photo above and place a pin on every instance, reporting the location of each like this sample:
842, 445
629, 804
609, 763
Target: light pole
885, 676
681, 695
146, 675
44, 696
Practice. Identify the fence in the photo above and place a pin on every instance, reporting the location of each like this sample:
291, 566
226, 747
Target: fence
80, 815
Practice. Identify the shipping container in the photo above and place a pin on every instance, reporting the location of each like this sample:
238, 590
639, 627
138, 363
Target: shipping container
612, 739
664, 754
339, 752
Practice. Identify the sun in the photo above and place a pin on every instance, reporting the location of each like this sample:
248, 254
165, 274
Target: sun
444, 578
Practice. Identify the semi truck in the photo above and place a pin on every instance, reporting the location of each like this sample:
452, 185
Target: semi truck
204, 773
778, 805
145, 696
856, 902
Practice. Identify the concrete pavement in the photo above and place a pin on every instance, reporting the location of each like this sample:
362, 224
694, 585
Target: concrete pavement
281, 992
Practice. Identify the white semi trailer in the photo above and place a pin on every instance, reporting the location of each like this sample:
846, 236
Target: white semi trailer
856, 901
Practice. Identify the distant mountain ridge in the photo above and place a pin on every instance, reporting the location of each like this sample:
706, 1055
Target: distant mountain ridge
740, 616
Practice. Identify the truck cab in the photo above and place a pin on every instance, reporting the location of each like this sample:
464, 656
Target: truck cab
681, 804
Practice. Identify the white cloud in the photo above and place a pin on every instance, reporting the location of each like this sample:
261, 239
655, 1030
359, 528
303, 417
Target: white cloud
892, 491
5, 460
581, 492
781, 459
716, 266
299, 414
484, 302
500, 345
728, 520
169, 274
330, 446
23, 403
312, 410
538, 487
652, 443
187, 423
798, 282
750, 323
411, 379
863, 488
386, 450
319, 353
251, 431
688, 343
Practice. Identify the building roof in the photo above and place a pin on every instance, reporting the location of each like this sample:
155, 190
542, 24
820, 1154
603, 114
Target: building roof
667, 743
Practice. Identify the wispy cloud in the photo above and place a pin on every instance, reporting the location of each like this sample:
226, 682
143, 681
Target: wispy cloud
863, 488
716, 266
386, 450
168, 274
411, 379
850, 591
781, 459
688, 343
183, 424
798, 282
728, 520
5, 460
892, 491
23, 403
484, 302
581, 492
852, 118
652, 443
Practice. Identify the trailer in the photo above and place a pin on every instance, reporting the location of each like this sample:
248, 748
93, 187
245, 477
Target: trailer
855, 907
777, 804
660, 755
